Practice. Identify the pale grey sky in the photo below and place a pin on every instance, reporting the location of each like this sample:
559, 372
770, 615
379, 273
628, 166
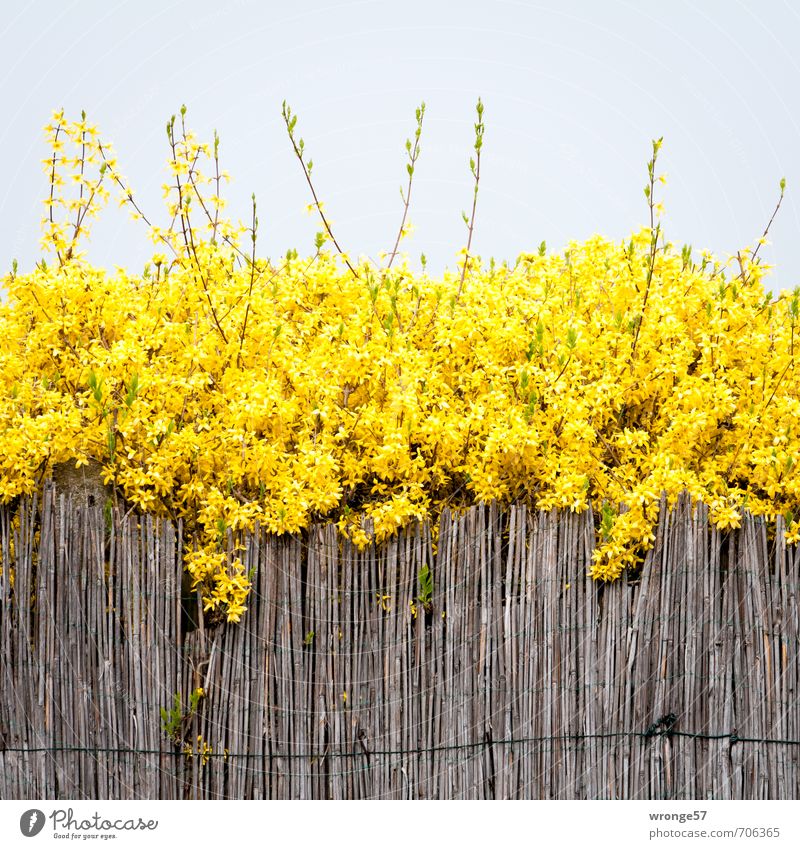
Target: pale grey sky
574, 92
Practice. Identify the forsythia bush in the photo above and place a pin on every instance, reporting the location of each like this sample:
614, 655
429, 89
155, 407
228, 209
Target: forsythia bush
228, 389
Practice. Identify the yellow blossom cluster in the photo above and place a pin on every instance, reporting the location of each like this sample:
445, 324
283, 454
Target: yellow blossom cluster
231, 391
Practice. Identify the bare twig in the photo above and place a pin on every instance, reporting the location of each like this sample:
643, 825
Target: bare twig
253, 232
475, 168
413, 154
217, 185
743, 276
655, 230
299, 149
769, 223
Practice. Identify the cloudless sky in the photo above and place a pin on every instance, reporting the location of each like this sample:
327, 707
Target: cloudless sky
573, 92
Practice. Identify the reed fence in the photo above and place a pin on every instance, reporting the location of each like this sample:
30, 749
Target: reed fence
520, 678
